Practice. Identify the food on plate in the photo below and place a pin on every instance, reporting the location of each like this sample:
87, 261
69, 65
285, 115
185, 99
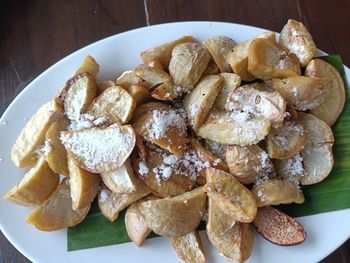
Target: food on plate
175, 216
89, 65
231, 82
139, 93
35, 187
103, 85
154, 63
291, 169
211, 69
278, 228
333, 105
148, 107
189, 247
128, 78
57, 212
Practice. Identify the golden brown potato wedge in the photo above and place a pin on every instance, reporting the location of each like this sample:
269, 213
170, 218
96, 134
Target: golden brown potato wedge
187, 64
234, 243
333, 105
248, 163
278, 228
291, 169
153, 76
140, 94
231, 82
189, 247
298, 40
111, 204
287, 141
238, 200
115, 104
56, 158
100, 150
155, 63
122, 180
83, 185
165, 128
234, 128
211, 69
267, 59
148, 107
90, 66
33, 134
56, 212
237, 58
35, 187
303, 93
103, 85
276, 191
175, 216
219, 47
163, 52
128, 78
200, 100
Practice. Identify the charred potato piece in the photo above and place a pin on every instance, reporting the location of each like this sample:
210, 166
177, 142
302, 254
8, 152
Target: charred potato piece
267, 59
122, 180
234, 128
238, 200
187, 64
163, 52
189, 247
175, 216
83, 185
129, 77
219, 47
303, 93
276, 192
56, 212
148, 107
90, 66
56, 158
35, 187
278, 228
33, 134
237, 58
248, 163
291, 169
333, 105
103, 85
234, 243
115, 104
100, 150
200, 100
230, 83
139, 94
298, 40
287, 141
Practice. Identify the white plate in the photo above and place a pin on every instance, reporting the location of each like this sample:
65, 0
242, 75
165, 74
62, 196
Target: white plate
115, 54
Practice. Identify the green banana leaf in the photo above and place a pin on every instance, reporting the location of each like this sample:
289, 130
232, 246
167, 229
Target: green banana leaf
329, 195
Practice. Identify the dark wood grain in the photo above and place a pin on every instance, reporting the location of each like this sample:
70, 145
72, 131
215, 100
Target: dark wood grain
37, 33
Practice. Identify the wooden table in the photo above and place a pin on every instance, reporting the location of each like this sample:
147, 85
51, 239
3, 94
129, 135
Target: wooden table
35, 34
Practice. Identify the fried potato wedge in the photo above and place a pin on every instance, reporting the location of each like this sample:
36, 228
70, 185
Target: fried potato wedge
57, 212
278, 228
231, 82
211, 69
77, 95
267, 59
155, 63
163, 52
56, 158
103, 85
303, 93
189, 247
291, 169
122, 180
298, 40
219, 47
140, 94
333, 105
234, 128
128, 78
276, 191
115, 104
248, 163
99, 150
175, 216
83, 185
35, 187
33, 134
165, 128
234, 243
164, 173
90, 66
111, 204
200, 100
216, 148
148, 107
237, 58
237, 199
153, 76
187, 64
287, 141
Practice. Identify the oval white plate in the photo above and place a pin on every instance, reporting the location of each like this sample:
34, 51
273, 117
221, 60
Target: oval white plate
115, 54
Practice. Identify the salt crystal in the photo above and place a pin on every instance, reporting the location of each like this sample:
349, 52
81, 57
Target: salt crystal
143, 169
103, 197
44, 149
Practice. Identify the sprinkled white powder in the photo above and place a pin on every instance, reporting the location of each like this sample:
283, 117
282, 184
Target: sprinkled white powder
143, 169
44, 149
261, 179
294, 169
103, 197
171, 159
85, 121
289, 129
261, 195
